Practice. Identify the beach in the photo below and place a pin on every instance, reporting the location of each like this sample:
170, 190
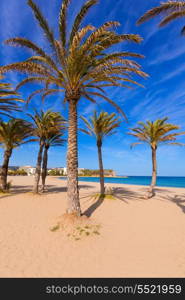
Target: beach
137, 237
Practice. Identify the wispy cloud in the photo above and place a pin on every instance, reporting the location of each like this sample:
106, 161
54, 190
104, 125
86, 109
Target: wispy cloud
161, 105
88, 109
171, 74
167, 52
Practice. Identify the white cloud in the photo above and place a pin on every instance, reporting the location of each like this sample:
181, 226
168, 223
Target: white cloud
88, 110
168, 52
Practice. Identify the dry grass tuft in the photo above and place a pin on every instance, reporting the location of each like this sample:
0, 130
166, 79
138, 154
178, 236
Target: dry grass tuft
76, 227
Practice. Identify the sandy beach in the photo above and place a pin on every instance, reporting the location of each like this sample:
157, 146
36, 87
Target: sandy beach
138, 237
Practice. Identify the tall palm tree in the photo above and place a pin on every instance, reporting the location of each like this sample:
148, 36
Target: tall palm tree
12, 134
78, 66
44, 123
100, 126
8, 98
53, 140
170, 11
155, 133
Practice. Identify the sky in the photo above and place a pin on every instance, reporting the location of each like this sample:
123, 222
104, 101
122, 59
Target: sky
163, 94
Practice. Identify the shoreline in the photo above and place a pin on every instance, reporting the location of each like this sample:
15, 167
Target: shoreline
122, 184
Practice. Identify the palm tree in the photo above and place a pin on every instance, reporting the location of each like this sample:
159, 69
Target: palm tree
79, 66
12, 134
44, 123
53, 140
100, 126
8, 98
170, 11
155, 133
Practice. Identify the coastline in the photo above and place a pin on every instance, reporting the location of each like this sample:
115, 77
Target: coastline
98, 176
129, 183
181, 189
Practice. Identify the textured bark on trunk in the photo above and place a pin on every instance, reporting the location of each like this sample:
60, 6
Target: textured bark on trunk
73, 203
38, 169
102, 186
4, 169
44, 167
151, 192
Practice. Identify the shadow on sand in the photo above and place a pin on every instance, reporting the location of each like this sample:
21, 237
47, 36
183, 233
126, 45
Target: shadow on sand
19, 189
120, 193
93, 202
127, 195
179, 200
56, 189
98, 201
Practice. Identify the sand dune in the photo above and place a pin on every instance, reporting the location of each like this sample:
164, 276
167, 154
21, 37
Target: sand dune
138, 238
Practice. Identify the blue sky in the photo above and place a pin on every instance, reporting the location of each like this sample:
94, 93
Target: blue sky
163, 95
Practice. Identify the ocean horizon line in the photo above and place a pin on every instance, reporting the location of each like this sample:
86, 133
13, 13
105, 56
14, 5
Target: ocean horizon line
162, 181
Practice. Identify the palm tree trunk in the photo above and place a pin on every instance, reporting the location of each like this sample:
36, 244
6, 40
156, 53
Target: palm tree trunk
102, 186
151, 192
73, 205
44, 167
38, 169
4, 169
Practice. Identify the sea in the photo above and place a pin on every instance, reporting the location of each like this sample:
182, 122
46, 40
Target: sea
164, 181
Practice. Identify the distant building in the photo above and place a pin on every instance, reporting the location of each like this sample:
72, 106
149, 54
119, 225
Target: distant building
80, 171
59, 170
63, 170
28, 169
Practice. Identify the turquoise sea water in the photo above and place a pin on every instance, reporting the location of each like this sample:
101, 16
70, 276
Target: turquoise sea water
140, 180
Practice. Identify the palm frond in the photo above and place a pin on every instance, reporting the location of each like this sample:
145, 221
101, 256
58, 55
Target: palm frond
176, 144
173, 16
50, 92
43, 62
8, 99
134, 144
35, 93
14, 133
43, 23
88, 97
165, 7
47, 124
172, 10
25, 68
80, 16
25, 43
183, 31
156, 132
83, 62
28, 80
62, 21
101, 125
78, 38
117, 107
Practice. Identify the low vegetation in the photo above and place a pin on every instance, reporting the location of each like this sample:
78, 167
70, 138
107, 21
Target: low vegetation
75, 227
19, 172
90, 172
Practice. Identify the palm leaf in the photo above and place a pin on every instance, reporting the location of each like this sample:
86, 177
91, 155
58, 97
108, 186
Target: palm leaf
80, 16
26, 68
30, 79
163, 8
173, 16
23, 42
43, 23
62, 21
